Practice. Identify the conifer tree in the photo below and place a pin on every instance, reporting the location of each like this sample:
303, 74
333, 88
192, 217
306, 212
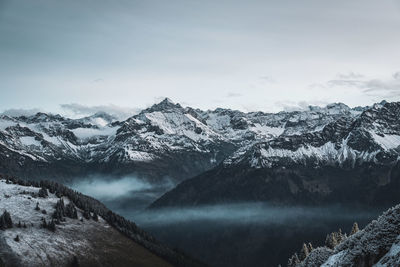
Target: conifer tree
5, 220
293, 261
304, 252
86, 214
44, 223
43, 192
52, 226
354, 229
310, 247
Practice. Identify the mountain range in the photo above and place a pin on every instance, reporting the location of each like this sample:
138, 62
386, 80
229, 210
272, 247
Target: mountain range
321, 154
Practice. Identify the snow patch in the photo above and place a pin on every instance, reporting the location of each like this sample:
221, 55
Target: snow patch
6, 123
84, 133
334, 260
267, 130
139, 155
29, 141
387, 141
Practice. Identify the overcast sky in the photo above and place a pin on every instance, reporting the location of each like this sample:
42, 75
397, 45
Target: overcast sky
247, 55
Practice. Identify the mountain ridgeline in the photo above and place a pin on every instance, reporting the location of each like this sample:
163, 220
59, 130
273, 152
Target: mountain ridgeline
322, 154
352, 159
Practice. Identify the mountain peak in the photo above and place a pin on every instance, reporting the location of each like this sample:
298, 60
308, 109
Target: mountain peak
166, 104
167, 101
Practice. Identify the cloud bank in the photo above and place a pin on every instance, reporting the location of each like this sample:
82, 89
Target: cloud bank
79, 110
20, 112
384, 87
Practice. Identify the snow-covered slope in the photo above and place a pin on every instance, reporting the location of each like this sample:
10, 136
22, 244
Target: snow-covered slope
354, 157
39, 237
372, 136
378, 244
181, 142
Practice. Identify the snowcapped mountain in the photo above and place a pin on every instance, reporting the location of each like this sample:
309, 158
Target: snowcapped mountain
372, 136
47, 224
351, 157
378, 245
168, 140
163, 140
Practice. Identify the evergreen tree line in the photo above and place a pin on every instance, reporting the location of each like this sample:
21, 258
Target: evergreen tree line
5, 221
91, 205
332, 240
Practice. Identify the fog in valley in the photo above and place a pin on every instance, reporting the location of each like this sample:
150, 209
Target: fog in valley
227, 234
125, 195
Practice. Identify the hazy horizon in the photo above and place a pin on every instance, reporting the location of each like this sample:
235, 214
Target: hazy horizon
258, 55
76, 111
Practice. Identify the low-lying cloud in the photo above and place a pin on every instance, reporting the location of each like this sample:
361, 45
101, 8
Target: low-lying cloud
15, 112
290, 106
121, 113
109, 189
245, 213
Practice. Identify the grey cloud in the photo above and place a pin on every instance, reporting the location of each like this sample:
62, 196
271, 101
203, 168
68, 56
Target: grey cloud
378, 87
232, 94
20, 112
349, 75
299, 106
121, 113
268, 79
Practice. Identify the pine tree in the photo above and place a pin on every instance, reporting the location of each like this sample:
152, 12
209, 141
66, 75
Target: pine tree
43, 192
44, 223
5, 220
304, 252
331, 241
340, 237
16, 239
52, 226
37, 206
70, 211
95, 216
310, 247
86, 214
293, 261
354, 229
19, 224
59, 212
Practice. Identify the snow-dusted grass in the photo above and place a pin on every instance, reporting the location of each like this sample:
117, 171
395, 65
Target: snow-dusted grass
39, 246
